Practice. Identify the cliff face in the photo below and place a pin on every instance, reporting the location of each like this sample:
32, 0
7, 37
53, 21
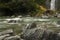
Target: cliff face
48, 4
57, 4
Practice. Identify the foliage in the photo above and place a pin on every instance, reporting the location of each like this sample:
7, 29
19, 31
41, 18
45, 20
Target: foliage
40, 2
20, 7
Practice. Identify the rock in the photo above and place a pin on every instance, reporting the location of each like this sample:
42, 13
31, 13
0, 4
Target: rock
36, 33
49, 35
44, 16
58, 36
32, 33
4, 36
30, 28
48, 14
58, 15
32, 25
13, 38
10, 31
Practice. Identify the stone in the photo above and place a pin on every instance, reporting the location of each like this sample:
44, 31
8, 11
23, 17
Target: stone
36, 33
9, 31
4, 36
13, 38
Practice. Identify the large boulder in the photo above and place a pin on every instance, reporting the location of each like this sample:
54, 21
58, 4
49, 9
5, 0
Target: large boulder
36, 33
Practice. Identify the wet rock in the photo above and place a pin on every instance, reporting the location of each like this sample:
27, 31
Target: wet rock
30, 29
36, 33
32, 25
49, 35
45, 16
13, 38
58, 36
10, 31
4, 36
58, 15
48, 14
32, 33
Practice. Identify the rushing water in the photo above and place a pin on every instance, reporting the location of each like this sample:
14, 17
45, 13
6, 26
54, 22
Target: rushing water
52, 6
18, 25
31, 28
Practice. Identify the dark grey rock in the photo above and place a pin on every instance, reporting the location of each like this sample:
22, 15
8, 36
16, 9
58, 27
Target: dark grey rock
39, 34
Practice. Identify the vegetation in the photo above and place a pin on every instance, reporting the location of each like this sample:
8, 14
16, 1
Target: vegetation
20, 7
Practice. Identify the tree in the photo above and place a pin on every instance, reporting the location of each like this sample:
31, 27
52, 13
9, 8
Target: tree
20, 7
40, 2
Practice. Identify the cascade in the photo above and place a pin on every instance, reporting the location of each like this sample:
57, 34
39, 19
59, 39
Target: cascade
52, 5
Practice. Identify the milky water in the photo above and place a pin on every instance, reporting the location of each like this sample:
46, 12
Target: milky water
27, 21
52, 5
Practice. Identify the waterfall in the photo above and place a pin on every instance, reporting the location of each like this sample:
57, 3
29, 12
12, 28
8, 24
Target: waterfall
52, 5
